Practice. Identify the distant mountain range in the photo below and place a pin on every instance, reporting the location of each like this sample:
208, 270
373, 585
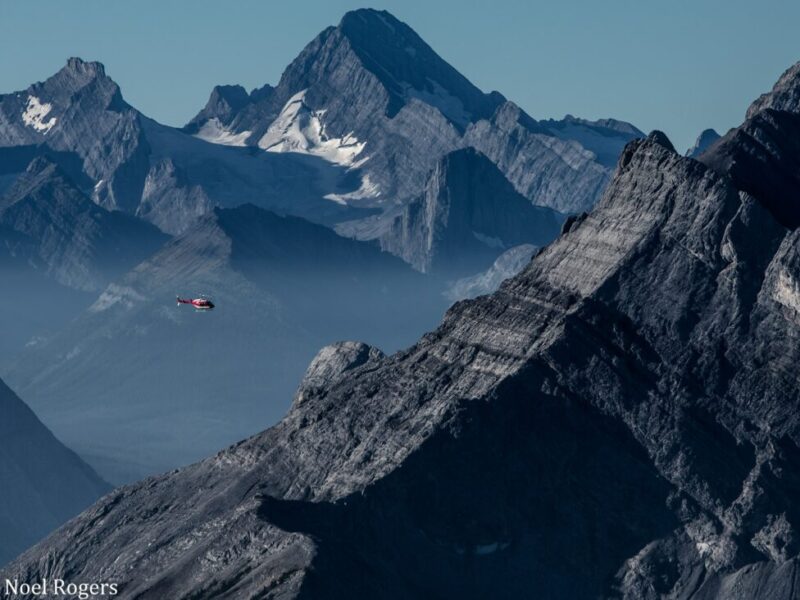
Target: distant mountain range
704, 141
619, 420
354, 127
371, 93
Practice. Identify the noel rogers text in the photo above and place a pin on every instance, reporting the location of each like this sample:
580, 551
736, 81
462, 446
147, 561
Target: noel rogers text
52, 588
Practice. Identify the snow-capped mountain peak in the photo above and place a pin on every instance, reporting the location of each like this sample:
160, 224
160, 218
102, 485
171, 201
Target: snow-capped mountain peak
300, 129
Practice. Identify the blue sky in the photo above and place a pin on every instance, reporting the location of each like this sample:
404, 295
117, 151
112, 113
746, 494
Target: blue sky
679, 66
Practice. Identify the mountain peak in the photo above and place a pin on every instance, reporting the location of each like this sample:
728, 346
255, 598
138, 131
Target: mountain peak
704, 140
408, 67
370, 17
92, 68
78, 75
785, 94
660, 138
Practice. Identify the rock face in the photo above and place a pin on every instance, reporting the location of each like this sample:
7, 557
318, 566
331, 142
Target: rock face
704, 141
81, 245
619, 420
283, 287
44, 483
561, 164
467, 214
371, 93
80, 110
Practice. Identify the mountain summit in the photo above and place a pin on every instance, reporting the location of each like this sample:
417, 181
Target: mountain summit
370, 93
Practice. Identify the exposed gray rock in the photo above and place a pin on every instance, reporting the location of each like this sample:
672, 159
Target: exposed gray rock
80, 110
467, 215
561, 164
224, 104
785, 95
332, 363
44, 483
619, 420
704, 141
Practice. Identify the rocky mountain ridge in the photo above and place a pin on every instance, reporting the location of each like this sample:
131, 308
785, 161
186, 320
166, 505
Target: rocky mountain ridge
376, 92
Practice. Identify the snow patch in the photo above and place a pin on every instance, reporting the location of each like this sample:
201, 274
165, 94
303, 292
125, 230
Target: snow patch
214, 132
35, 113
368, 189
300, 129
787, 291
704, 548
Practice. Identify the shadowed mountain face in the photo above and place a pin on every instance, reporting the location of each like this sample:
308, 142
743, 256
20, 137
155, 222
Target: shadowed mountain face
43, 482
619, 420
703, 143
74, 241
467, 214
137, 385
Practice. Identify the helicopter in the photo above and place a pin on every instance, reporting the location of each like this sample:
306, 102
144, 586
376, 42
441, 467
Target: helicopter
202, 302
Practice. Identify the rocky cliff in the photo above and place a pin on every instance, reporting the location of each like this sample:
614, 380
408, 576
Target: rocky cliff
467, 215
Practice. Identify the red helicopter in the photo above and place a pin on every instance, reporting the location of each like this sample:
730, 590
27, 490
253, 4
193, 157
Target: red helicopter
201, 303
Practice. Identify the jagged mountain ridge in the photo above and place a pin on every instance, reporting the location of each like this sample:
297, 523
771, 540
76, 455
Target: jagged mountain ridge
126, 161
44, 483
619, 420
194, 382
80, 244
351, 132
373, 90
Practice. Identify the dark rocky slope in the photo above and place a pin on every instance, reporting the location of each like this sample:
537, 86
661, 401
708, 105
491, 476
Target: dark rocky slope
619, 420
44, 483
